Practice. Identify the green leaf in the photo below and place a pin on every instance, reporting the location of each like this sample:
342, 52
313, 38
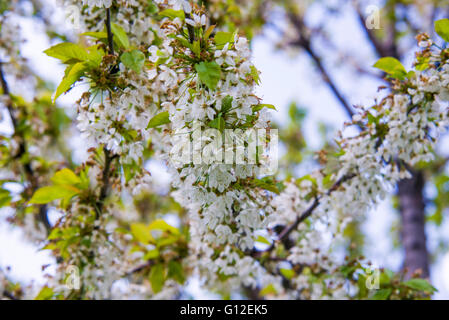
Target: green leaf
120, 36
50, 193
263, 240
255, 74
94, 56
159, 120
160, 224
5, 198
442, 29
133, 60
46, 293
152, 254
73, 74
391, 66
261, 106
217, 123
67, 52
152, 8
176, 272
226, 104
129, 171
96, 35
209, 73
172, 14
269, 289
196, 48
361, 283
55, 234
221, 38
266, 184
382, 294
65, 176
157, 277
141, 233
287, 273
209, 31
420, 284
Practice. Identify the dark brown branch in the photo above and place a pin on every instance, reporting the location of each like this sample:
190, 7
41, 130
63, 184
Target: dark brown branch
108, 156
140, 268
383, 49
190, 29
413, 236
109, 31
304, 42
378, 46
9, 295
283, 235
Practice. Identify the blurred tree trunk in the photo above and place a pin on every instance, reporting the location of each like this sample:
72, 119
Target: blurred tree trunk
412, 211
410, 191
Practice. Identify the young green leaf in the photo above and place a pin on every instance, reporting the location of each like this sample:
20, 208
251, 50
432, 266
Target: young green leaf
176, 272
152, 254
50, 193
287, 273
5, 197
97, 35
226, 104
157, 277
133, 60
46, 293
120, 36
382, 294
420, 284
65, 176
73, 74
442, 29
269, 289
217, 123
141, 233
263, 240
67, 52
160, 224
172, 14
221, 38
261, 106
391, 66
255, 74
209, 31
159, 120
209, 73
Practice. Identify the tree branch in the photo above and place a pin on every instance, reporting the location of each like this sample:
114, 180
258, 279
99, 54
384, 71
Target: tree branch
109, 31
304, 42
43, 216
9, 295
108, 156
283, 235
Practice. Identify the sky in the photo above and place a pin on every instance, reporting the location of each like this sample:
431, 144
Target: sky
284, 78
